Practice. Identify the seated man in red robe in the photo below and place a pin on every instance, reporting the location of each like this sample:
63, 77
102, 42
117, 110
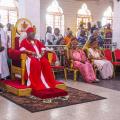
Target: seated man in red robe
40, 75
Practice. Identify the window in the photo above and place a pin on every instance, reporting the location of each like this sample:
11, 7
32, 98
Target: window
107, 16
83, 16
8, 12
55, 16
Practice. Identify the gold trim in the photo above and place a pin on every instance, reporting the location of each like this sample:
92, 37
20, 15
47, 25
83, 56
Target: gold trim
61, 86
19, 92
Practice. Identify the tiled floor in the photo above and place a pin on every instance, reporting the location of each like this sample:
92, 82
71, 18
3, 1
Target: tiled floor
111, 84
108, 109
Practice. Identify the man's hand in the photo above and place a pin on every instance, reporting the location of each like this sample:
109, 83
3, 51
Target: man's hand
1, 49
31, 53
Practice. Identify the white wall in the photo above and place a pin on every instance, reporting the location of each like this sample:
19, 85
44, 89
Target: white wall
70, 9
116, 23
30, 9
35, 10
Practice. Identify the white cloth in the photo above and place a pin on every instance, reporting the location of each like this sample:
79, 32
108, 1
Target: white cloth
56, 38
23, 35
78, 34
105, 67
4, 71
48, 37
37, 51
3, 38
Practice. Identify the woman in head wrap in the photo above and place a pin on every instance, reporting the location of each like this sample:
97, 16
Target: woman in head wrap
81, 62
104, 66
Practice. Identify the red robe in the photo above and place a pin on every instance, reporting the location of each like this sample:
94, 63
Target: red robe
40, 75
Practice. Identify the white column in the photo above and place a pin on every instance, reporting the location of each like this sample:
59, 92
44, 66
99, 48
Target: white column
21, 8
30, 9
116, 23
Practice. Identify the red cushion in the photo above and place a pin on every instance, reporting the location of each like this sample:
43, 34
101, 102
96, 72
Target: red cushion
14, 54
14, 83
50, 93
117, 54
116, 63
108, 54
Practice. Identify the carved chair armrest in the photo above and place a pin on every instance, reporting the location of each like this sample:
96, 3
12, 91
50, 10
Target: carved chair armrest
16, 54
71, 64
91, 60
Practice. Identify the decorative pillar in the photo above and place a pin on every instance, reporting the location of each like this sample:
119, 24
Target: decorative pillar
116, 23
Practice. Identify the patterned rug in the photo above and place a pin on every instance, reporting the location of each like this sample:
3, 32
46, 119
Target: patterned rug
33, 104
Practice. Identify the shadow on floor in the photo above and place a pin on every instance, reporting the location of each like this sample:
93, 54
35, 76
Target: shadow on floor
111, 84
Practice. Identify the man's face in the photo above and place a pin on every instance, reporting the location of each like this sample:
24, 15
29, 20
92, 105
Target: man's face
96, 33
95, 44
9, 26
56, 31
74, 44
50, 30
31, 35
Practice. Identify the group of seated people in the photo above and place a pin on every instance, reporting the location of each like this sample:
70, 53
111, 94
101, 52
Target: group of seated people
39, 74
86, 60
81, 61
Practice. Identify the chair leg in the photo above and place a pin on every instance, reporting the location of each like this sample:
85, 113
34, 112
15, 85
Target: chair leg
114, 71
65, 73
54, 75
75, 75
22, 76
12, 76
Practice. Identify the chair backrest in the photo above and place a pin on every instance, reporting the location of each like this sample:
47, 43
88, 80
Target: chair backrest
117, 54
17, 30
20, 27
108, 54
68, 61
52, 57
17, 44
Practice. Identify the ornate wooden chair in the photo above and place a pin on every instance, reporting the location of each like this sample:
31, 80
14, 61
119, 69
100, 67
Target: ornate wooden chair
109, 56
18, 64
17, 58
55, 65
116, 62
69, 66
